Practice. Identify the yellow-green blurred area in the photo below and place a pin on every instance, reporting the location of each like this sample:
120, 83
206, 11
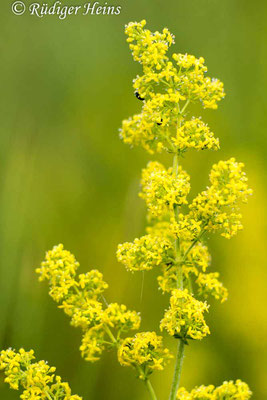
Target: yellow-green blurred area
67, 178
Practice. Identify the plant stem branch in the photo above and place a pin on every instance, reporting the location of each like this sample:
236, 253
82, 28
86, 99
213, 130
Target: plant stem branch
193, 244
150, 389
176, 208
110, 334
48, 395
185, 106
180, 346
178, 370
147, 382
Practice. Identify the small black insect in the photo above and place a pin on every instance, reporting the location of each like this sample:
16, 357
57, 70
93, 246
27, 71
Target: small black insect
137, 95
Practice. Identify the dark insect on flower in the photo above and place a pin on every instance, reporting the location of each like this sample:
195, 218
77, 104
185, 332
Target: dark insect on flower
137, 95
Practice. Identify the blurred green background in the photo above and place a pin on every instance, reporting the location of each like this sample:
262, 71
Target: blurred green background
66, 177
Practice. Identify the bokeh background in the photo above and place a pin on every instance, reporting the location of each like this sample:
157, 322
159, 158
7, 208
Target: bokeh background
66, 177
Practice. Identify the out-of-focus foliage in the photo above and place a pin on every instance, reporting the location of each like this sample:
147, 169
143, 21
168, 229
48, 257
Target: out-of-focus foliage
66, 177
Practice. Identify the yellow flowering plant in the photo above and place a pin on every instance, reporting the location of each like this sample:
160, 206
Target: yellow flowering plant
37, 379
174, 242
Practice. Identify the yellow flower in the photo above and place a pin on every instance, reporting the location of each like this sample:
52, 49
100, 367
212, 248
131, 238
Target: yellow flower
174, 241
93, 343
187, 228
199, 393
84, 312
145, 352
209, 284
81, 301
37, 379
185, 317
145, 253
227, 391
59, 268
92, 282
166, 88
195, 134
183, 394
197, 260
148, 48
117, 315
160, 227
161, 190
193, 84
77, 295
217, 208
233, 390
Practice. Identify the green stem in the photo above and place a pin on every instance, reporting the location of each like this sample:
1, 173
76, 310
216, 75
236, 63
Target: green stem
190, 285
48, 395
178, 370
150, 389
110, 334
175, 164
147, 382
185, 106
193, 244
177, 241
180, 348
176, 208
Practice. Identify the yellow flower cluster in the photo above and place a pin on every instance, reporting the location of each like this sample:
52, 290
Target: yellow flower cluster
141, 130
197, 260
161, 190
160, 227
166, 87
168, 280
209, 284
93, 343
174, 240
37, 379
199, 393
148, 48
233, 390
151, 128
195, 134
194, 85
218, 207
227, 391
145, 352
145, 253
186, 229
79, 298
117, 315
59, 268
194, 263
185, 317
